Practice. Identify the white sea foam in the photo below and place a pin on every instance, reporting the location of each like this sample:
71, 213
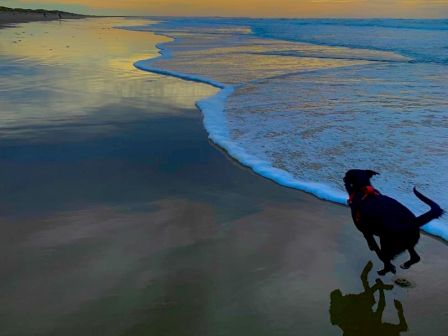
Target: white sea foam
215, 123
302, 114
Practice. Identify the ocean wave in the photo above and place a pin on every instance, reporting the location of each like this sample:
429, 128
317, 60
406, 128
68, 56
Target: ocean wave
247, 141
412, 41
215, 124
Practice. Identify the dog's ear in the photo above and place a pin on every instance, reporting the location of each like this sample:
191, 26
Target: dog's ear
371, 173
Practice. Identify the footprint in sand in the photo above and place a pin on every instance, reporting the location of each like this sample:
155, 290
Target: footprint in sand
402, 282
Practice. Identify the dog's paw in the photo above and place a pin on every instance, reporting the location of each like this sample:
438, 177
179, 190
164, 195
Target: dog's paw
409, 263
393, 269
405, 266
383, 272
387, 269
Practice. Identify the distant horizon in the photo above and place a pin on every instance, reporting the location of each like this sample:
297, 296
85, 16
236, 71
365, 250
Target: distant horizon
287, 9
288, 18
237, 17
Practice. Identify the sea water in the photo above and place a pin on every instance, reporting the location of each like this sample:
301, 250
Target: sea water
302, 101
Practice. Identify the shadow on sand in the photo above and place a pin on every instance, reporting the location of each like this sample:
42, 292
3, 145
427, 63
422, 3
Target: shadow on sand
355, 313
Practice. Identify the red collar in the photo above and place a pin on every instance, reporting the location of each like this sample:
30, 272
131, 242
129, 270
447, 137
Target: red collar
366, 191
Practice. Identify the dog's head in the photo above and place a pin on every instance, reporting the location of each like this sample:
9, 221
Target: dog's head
356, 179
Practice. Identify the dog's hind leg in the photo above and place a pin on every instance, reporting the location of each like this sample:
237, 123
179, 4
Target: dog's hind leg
415, 258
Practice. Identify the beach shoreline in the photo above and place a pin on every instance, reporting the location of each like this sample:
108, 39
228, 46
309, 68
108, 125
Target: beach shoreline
213, 111
146, 219
11, 18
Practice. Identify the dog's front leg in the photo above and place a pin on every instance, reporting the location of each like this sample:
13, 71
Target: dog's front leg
373, 246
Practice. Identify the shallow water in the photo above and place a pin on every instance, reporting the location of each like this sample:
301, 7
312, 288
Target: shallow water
57, 85
119, 217
365, 94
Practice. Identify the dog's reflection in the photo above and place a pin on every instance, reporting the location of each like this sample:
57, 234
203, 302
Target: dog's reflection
355, 313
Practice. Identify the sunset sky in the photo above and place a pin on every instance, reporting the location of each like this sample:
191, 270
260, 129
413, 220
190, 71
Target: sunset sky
252, 8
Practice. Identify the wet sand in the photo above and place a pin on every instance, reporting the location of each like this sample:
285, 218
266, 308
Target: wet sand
119, 217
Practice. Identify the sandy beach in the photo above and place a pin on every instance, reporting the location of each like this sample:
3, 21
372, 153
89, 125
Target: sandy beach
120, 217
14, 17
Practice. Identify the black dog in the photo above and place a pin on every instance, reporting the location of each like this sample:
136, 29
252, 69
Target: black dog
375, 214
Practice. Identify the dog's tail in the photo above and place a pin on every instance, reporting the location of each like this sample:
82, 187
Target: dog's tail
435, 212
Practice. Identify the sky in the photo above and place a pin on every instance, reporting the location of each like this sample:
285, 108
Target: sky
249, 8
